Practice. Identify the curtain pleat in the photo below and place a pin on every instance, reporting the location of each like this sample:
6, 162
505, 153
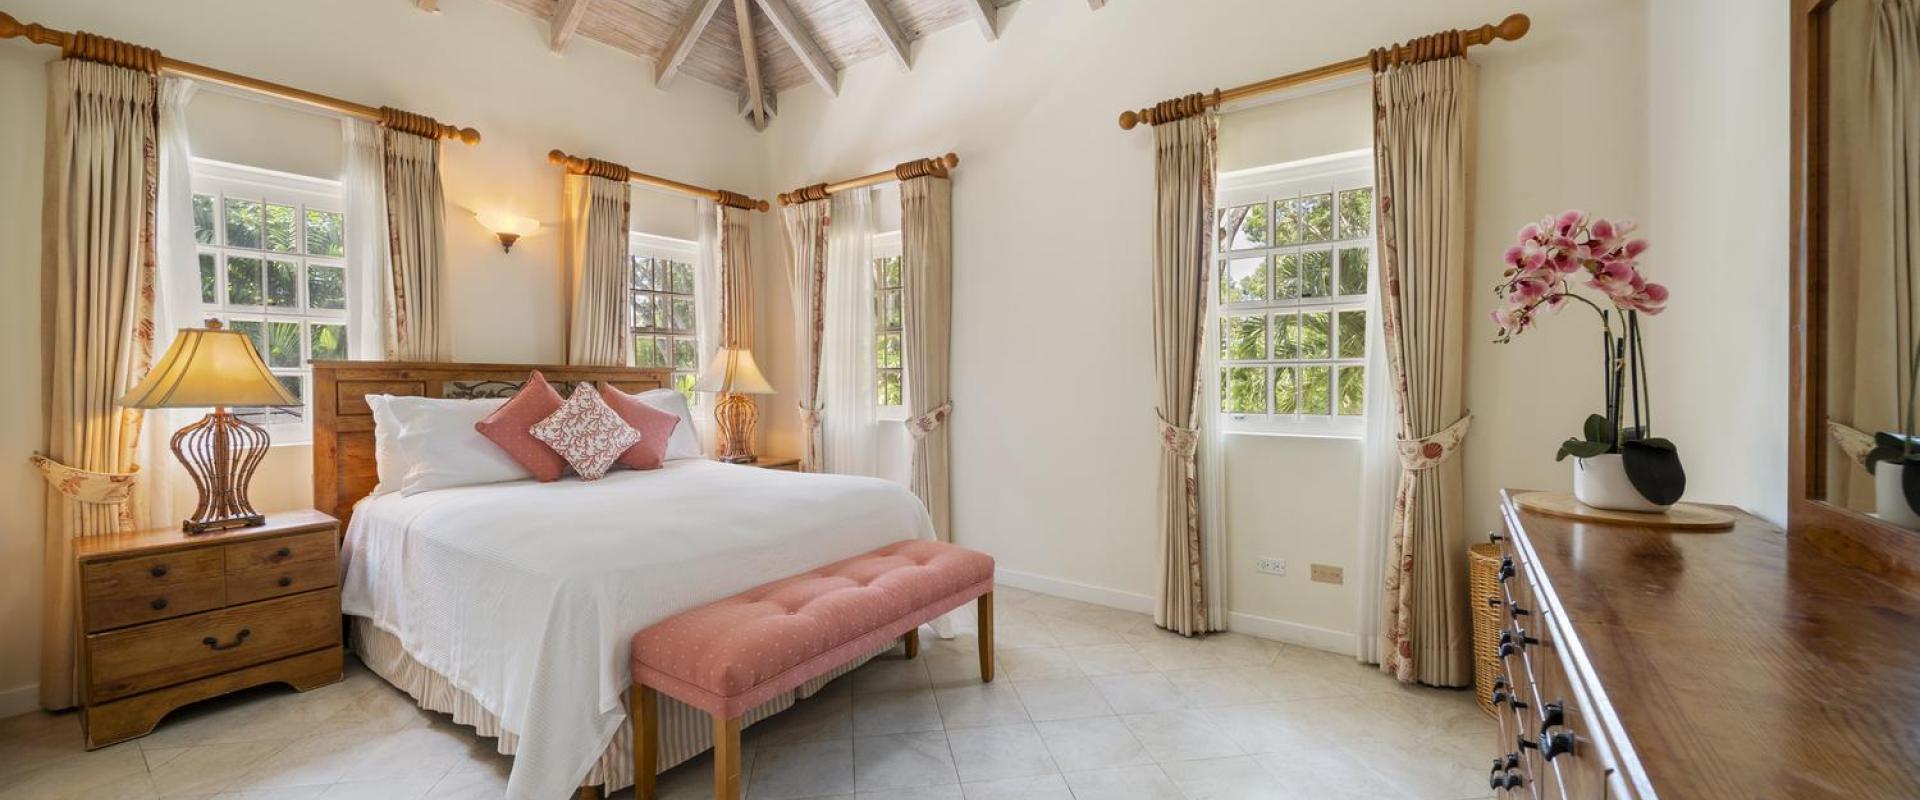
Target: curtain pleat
805, 226
416, 221
707, 281
365, 186
177, 298
599, 281
1423, 144
849, 432
926, 245
1184, 164
736, 278
98, 294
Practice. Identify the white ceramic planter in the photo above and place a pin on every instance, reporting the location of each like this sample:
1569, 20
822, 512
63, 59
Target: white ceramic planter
1601, 482
1889, 500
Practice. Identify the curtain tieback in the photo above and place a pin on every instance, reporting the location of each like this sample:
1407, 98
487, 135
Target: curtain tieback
810, 415
1182, 442
1432, 451
1854, 442
98, 488
929, 422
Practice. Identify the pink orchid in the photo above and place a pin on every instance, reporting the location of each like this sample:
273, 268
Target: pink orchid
1549, 252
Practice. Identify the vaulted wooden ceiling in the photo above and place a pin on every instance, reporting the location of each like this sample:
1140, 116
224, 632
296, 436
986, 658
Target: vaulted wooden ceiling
758, 48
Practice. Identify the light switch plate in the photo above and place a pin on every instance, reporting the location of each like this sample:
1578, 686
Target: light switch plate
1327, 573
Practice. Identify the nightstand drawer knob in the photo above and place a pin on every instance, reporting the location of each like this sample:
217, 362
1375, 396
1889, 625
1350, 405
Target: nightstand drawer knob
283, 552
159, 603
238, 639
158, 571
285, 582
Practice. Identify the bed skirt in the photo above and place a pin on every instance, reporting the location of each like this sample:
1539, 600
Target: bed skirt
685, 731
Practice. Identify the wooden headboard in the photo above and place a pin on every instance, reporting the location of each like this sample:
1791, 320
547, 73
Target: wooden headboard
344, 468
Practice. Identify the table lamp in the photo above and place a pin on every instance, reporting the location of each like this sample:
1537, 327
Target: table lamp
733, 374
215, 367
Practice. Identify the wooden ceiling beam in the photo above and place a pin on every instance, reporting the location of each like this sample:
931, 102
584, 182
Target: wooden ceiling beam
750, 58
802, 44
892, 39
983, 14
692, 24
566, 20
427, 5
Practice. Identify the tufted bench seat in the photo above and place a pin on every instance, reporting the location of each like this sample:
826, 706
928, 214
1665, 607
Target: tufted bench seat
731, 655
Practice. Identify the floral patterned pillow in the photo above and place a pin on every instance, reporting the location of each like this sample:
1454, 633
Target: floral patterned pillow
587, 433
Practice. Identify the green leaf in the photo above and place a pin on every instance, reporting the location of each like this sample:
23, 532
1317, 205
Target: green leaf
1889, 453
1660, 444
1599, 429
1581, 449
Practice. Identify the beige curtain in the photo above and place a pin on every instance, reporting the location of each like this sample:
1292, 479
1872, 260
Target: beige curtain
806, 236
926, 249
1874, 213
599, 281
416, 236
736, 277
98, 286
1423, 146
1183, 179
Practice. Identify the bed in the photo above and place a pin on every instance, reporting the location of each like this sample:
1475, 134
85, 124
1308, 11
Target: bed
509, 606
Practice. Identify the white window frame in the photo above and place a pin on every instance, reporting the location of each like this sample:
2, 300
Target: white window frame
221, 179
1332, 173
647, 245
888, 245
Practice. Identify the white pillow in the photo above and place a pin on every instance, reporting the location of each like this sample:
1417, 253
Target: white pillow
388, 460
441, 449
685, 441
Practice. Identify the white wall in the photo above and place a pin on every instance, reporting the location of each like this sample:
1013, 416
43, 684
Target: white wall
1718, 94
1054, 434
477, 63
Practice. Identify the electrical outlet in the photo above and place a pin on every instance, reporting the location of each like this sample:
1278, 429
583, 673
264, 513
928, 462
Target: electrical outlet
1271, 566
1327, 573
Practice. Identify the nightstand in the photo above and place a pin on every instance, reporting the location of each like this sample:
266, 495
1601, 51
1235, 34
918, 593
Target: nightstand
170, 619
773, 462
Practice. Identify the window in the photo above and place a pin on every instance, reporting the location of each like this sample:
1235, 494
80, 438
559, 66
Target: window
665, 318
272, 265
1294, 254
889, 315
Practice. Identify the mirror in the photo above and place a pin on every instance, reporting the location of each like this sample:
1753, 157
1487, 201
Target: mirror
1869, 66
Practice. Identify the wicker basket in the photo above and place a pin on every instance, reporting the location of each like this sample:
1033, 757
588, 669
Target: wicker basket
1483, 582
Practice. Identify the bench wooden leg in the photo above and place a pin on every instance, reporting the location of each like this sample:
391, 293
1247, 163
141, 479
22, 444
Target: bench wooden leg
726, 759
644, 709
912, 642
587, 793
985, 608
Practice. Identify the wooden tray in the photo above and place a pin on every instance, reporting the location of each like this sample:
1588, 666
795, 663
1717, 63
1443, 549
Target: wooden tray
1683, 516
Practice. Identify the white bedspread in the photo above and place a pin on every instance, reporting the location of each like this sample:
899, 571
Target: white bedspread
525, 595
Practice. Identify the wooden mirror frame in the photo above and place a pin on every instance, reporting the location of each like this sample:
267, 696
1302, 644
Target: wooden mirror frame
1842, 533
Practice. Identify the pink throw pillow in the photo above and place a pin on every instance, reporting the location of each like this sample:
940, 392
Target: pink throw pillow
587, 433
655, 427
511, 427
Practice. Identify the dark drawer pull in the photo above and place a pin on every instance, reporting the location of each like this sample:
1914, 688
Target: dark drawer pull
1552, 715
1498, 781
283, 552
1506, 568
285, 582
158, 604
158, 571
1494, 536
1508, 761
1511, 699
238, 639
1554, 744
1526, 743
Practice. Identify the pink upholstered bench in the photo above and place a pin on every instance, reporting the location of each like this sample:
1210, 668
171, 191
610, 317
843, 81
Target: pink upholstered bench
731, 655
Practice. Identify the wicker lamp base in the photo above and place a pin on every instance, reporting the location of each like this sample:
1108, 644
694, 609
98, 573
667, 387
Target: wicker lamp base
736, 415
221, 452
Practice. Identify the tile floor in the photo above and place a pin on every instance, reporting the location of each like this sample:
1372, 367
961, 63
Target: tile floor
1089, 702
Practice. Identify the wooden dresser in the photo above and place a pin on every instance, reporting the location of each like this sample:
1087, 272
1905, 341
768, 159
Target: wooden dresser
170, 619
1640, 663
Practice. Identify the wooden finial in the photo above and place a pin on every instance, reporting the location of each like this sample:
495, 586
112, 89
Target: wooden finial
1128, 119
1513, 27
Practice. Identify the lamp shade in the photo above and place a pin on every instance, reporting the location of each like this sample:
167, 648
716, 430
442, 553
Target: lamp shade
732, 371
207, 367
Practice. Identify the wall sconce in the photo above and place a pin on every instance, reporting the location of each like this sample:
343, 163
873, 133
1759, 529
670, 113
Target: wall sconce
508, 227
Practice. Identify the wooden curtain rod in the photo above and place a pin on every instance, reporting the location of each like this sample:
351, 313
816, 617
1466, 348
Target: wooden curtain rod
90, 47
618, 172
937, 166
1426, 48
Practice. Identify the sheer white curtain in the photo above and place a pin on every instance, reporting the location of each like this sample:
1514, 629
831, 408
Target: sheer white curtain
1379, 479
706, 308
176, 296
365, 187
849, 432
1211, 449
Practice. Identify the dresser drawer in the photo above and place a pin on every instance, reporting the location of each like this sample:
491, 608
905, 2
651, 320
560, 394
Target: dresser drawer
281, 551
157, 654
273, 581
132, 590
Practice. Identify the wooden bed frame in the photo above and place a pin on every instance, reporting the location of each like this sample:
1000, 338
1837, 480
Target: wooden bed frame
344, 468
